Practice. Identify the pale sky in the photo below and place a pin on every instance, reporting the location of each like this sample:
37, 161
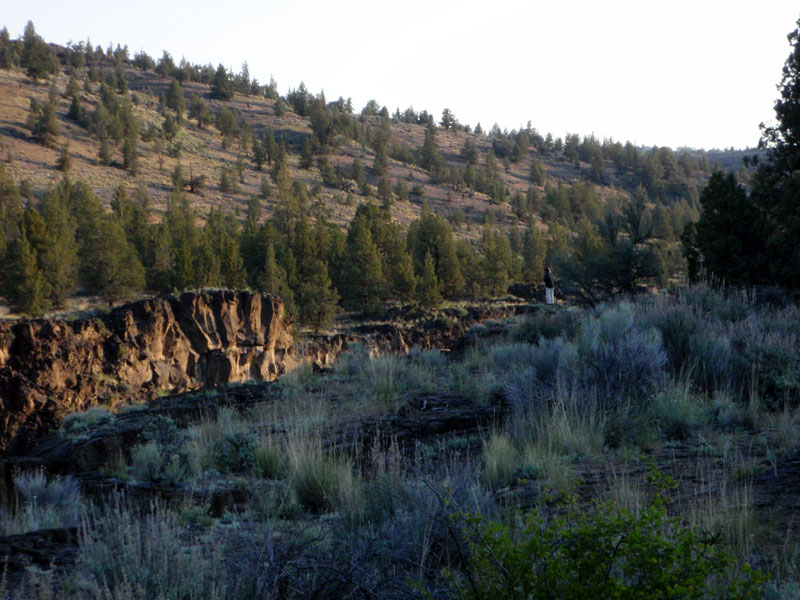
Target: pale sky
701, 74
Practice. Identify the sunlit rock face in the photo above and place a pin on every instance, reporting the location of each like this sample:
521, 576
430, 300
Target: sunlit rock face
51, 367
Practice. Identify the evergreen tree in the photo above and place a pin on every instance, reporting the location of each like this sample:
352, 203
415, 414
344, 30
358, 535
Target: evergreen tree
533, 255
259, 152
322, 122
166, 66
270, 146
274, 280
431, 234
8, 56
221, 232
428, 285
221, 86
402, 282
104, 153
130, 152
316, 298
728, 233
64, 161
134, 216
536, 173
25, 287
448, 119
381, 164
496, 262
776, 183
385, 193
37, 58
358, 175
77, 113
58, 254
206, 267
429, 158
42, 119
198, 110
175, 100
11, 211
307, 154
363, 284
110, 266
469, 151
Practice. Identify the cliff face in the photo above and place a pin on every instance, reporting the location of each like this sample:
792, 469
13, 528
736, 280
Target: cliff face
51, 367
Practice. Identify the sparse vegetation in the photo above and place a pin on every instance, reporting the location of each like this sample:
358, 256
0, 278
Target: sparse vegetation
523, 457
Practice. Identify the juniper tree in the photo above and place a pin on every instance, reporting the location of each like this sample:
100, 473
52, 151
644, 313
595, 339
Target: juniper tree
469, 151
274, 280
427, 287
130, 152
363, 284
175, 100
198, 110
496, 262
64, 161
42, 119
8, 55
316, 298
307, 154
432, 234
536, 174
259, 152
221, 86
58, 252
534, 252
37, 58
24, 285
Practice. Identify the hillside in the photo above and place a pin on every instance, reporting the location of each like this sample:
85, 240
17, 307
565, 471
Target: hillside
125, 176
203, 153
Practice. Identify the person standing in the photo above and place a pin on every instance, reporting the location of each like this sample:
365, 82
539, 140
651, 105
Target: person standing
549, 287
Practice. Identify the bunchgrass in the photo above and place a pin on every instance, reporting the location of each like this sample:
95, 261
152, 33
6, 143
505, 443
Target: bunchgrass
500, 460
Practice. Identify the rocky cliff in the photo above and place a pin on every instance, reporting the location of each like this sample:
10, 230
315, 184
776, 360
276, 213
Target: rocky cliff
51, 367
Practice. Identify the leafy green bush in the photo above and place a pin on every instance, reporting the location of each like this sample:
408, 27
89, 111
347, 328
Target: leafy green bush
606, 552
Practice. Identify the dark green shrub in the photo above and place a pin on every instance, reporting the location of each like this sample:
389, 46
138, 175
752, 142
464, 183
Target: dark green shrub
606, 552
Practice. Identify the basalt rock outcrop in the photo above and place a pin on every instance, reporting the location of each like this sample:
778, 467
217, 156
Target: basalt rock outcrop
51, 367
448, 329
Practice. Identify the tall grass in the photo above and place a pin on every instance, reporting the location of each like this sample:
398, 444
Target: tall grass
44, 502
126, 552
500, 460
320, 481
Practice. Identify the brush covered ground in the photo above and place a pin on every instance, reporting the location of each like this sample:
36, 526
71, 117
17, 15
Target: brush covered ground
203, 151
672, 421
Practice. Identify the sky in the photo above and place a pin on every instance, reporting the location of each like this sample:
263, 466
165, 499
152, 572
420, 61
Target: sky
699, 73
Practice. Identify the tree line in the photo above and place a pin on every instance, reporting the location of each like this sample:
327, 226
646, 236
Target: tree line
749, 235
67, 243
